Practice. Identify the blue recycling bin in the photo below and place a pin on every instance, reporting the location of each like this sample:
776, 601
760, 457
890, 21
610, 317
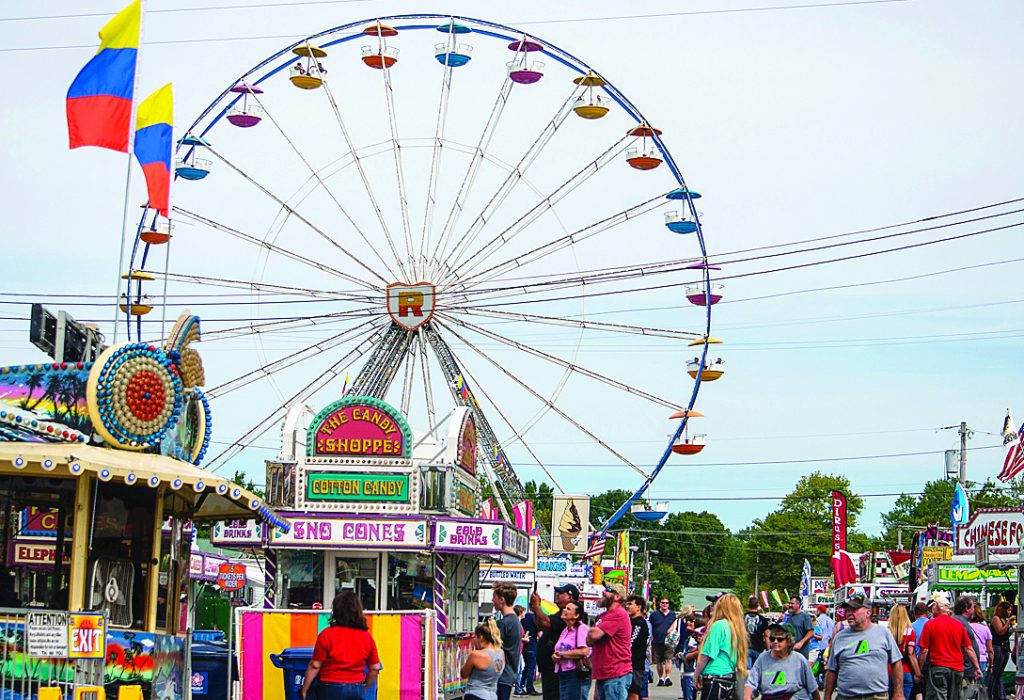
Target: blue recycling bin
210, 670
293, 662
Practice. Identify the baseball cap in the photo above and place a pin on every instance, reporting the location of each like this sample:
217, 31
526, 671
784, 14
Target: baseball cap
569, 588
616, 588
713, 598
855, 601
822, 608
942, 599
784, 627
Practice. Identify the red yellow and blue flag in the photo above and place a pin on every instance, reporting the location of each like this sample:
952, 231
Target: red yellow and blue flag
153, 145
99, 101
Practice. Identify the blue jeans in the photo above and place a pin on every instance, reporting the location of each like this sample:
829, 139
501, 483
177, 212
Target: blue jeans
571, 687
687, 683
339, 691
908, 685
614, 688
504, 691
529, 671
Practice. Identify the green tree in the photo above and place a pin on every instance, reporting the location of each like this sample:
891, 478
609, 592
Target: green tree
778, 543
666, 582
932, 504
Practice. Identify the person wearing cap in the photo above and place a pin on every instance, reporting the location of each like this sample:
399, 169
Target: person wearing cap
779, 674
549, 629
944, 643
864, 658
824, 627
610, 638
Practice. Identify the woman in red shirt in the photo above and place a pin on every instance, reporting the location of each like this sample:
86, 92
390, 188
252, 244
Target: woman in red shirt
345, 657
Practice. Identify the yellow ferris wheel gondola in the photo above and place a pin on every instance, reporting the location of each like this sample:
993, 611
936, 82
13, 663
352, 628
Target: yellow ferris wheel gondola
588, 105
308, 73
713, 369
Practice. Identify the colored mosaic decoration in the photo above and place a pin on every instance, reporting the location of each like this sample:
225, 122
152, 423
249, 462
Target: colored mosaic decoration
135, 395
185, 332
190, 438
44, 402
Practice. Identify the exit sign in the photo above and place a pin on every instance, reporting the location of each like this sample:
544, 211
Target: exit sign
87, 636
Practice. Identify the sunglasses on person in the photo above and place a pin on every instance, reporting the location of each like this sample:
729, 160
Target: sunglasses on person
778, 639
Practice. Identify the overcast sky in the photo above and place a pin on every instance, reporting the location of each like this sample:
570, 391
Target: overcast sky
793, 123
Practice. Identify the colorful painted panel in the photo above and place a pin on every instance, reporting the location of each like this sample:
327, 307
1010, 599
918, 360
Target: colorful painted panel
17, 666
44, 403
453, 652
265, 670
154, 661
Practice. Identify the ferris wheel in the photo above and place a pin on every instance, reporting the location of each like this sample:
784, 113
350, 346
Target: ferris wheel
435, 204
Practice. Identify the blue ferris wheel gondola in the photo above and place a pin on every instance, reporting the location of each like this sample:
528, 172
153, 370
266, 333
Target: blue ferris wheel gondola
450, 53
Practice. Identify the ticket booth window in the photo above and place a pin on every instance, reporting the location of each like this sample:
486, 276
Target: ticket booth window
302, 578
410, 581
122, 549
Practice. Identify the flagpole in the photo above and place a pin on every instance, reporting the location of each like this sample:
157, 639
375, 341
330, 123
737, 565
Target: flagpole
128, 175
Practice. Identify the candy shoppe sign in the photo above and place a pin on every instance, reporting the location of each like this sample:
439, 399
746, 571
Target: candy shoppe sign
359, 426
352, 532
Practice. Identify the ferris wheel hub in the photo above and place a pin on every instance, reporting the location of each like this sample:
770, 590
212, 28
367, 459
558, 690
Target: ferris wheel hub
411, 305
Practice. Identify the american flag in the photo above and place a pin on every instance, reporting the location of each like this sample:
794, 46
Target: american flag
596, 546
1014, 443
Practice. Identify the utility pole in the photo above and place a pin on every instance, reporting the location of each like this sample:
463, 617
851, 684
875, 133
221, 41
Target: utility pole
963, 454
964, 434
757, 582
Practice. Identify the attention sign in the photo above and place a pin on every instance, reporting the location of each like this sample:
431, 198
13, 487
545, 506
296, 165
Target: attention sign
359, 426
378, 488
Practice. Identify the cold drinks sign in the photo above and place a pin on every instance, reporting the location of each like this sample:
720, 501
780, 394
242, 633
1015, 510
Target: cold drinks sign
359, 426
1002, 527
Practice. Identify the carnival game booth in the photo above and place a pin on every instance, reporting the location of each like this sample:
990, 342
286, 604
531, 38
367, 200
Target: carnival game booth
393, 517
103, 455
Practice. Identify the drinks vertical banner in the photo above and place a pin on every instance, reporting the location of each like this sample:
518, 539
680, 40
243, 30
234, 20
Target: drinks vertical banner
838, 521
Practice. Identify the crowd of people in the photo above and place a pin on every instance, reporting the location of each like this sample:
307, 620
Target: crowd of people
948, 651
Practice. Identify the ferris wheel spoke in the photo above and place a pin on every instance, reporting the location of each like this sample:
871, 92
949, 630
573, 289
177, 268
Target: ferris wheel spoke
458, 205
287, 361
547, 203
550, 404
287, 325
270, 287
272, 247
323, 185
403, 199
435, 163
518, 434
581, 234
268, 422
508, 185
358, 162
565, 364
292, 211
603, 326
428, 391
410, 373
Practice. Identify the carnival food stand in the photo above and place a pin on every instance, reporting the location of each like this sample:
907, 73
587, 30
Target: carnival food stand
392, 516
103, 456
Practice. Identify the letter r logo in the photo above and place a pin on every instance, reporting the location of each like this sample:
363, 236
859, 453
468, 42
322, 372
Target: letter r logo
410, 301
